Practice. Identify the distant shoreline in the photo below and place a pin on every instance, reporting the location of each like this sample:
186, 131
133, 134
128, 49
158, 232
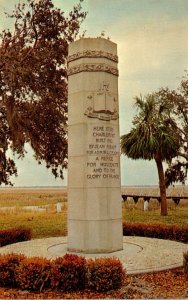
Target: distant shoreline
123, 187
65, 187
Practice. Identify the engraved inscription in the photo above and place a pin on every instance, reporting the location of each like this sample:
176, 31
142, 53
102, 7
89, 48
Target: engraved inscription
102, 153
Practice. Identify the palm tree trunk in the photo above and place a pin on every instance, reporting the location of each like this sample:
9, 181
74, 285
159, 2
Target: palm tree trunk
162, 185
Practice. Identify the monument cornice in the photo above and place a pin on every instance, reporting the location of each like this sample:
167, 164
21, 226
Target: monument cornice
86, 67
93, 54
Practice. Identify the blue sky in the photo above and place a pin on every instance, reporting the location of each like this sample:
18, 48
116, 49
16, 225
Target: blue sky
153, 52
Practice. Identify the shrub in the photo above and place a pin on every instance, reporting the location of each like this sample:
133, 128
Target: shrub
185, 256
160, 231
8, 265
180, 234
185, 262
14, 235
34, 274
70, 273
105, 274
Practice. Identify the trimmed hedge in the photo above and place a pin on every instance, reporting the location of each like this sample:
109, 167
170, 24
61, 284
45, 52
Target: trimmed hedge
185, 262
105, 274
14, 235
185, 256
8, 266
67, 273
70, 272
33, 274
160, 231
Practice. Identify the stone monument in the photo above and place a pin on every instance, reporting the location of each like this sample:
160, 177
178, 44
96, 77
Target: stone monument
94, 187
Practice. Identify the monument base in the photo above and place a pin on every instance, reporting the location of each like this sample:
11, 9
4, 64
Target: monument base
101, 236
97, 251
129, 249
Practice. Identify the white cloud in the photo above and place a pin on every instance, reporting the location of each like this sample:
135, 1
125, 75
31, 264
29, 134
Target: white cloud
153, 48
150, 56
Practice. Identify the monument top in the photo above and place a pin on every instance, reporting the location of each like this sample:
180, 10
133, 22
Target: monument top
99, 44
93, 48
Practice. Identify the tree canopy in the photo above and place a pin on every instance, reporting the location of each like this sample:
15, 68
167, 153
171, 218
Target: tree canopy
33, 84
178, 106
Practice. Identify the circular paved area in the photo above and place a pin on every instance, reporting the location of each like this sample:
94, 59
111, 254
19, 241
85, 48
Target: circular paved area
139, 255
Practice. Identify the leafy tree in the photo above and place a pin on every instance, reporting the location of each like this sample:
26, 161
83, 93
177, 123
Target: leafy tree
154, 136
33, 84
178, 103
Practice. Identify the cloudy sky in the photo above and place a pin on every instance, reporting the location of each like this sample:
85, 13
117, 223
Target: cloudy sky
153, 52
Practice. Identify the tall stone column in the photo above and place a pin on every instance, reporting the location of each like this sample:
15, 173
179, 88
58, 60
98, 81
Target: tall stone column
94, 187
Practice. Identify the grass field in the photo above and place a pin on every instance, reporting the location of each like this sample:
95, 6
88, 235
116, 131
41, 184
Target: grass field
177, 214
31, 196
50, 223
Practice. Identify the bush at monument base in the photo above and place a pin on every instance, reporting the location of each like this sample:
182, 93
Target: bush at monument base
68, 273
33, 274
185, 262
8, 265
105, 274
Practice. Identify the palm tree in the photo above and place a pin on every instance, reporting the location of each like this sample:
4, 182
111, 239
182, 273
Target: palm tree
154, 136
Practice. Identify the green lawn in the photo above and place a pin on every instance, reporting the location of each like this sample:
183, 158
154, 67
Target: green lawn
46, 224
43, 224
177, 214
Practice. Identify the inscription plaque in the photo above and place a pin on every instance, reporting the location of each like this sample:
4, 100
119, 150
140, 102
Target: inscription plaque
102, 153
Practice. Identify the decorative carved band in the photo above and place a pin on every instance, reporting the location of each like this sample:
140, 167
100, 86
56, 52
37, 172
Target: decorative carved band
93, 54
92, 68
